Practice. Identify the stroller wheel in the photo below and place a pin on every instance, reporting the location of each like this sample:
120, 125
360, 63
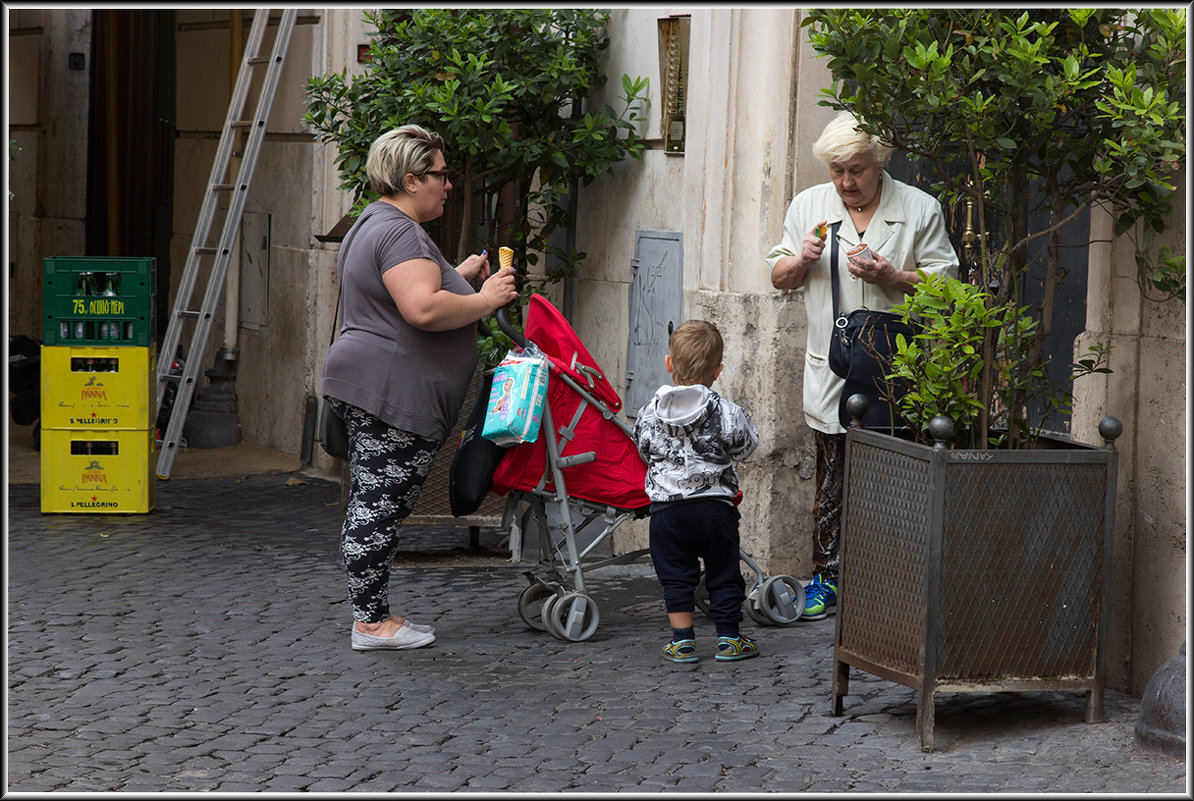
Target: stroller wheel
781, 598
530, 605
754, 610
572, 616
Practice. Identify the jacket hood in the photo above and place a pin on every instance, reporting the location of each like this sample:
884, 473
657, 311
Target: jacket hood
683, 406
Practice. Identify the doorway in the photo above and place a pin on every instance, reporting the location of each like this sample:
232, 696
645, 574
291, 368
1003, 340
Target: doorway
131, 125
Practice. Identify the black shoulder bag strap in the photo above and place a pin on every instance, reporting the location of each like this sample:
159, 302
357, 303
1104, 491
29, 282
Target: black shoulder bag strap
340, 273
838, 319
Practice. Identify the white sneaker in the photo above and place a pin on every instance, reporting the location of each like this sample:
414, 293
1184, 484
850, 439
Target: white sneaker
405, 637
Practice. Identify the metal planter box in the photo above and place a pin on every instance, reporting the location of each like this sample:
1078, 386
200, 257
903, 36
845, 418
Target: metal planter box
975, 570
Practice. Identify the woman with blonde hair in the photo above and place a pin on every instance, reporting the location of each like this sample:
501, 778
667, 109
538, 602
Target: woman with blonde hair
904, 228
400, 367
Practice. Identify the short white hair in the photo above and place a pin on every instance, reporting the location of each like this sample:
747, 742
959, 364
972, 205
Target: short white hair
841, 141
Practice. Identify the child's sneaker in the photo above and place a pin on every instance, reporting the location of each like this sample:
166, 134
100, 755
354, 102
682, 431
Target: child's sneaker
820, 599
680, 651
730, 649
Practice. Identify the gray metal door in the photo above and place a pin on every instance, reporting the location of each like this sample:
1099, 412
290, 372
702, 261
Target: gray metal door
656, 306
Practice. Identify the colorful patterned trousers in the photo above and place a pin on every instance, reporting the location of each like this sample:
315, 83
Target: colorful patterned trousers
827, 505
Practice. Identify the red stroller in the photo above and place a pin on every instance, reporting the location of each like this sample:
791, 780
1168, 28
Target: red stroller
585, 465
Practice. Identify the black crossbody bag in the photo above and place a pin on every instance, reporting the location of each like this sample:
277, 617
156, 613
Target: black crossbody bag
860, 350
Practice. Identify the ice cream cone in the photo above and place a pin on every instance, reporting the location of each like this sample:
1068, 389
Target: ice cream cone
505, 257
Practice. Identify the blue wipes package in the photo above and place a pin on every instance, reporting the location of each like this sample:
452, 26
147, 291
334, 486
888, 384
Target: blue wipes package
515, 408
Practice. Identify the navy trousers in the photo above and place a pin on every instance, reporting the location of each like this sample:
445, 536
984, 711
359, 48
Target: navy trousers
687, 533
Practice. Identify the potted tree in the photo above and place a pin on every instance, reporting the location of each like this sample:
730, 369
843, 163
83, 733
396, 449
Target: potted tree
512, 92
985, 566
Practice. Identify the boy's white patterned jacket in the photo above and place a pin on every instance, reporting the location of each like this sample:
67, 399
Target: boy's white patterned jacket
689, 437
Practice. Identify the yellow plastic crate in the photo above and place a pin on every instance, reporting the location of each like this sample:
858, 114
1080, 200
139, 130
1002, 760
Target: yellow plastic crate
101, 471
101, 388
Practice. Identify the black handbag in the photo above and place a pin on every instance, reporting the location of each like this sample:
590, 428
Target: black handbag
860, 350
333, 432
471, 473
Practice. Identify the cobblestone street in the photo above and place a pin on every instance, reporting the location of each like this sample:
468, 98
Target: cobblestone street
205, 647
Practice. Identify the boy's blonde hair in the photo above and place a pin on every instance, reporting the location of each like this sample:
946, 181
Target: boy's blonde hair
696, 349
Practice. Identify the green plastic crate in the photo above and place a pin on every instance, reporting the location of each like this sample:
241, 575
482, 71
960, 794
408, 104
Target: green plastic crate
98, 300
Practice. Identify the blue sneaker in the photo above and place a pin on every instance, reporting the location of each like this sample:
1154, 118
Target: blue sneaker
820, 599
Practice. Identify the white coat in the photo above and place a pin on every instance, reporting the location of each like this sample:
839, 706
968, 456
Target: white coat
908, 229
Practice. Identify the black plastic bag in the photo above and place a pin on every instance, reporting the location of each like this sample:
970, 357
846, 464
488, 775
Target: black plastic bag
471, 473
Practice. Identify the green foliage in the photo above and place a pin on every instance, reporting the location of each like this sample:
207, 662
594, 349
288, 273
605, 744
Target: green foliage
944, 363
510, 91
492, 349
1036, 114
1160, 275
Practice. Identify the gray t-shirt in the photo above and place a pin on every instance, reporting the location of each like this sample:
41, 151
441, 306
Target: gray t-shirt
413, 380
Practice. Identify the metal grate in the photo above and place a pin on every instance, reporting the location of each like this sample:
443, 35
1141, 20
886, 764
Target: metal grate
1021, 570
974, 571
883, 561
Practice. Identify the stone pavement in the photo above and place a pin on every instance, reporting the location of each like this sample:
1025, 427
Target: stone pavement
205, 647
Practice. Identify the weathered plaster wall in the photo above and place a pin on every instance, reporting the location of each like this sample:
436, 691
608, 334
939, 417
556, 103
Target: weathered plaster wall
278, 361
750, 111
1147, 390
48, 105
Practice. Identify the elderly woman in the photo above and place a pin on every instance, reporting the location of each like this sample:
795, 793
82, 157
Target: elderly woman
905, 230
400, 367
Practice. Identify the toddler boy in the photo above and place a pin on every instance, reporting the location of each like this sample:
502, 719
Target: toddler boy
690, 436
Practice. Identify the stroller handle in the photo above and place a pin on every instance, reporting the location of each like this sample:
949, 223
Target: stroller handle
507, 328
503, 319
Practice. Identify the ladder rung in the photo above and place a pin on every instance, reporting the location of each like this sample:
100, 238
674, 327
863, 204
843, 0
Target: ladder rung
255, 60
223, 187
170, 377
206, 251
187, 313
241, 124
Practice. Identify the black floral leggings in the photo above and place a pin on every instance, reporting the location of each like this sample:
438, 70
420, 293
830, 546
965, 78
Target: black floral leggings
386, 471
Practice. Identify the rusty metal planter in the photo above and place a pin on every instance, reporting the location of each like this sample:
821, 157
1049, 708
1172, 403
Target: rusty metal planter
975, 570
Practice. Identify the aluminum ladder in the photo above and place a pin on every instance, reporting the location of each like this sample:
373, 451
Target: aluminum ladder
237, 124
